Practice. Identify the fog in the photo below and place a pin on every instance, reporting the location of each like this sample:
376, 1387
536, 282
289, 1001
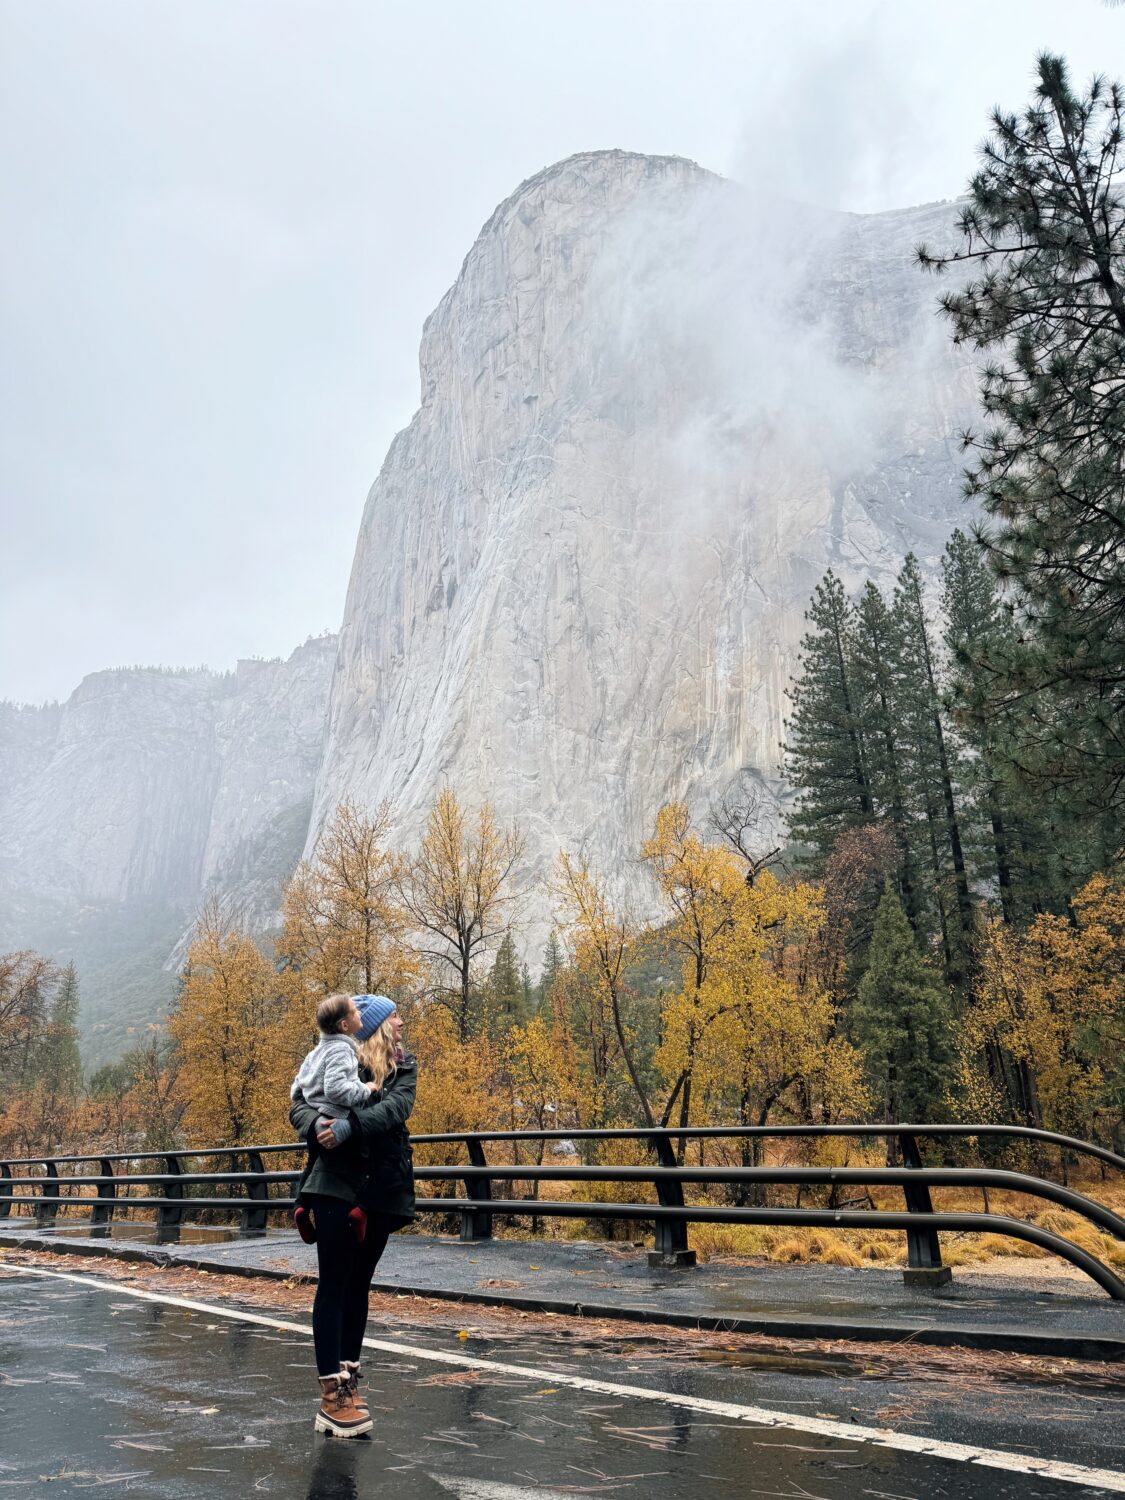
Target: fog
710, 300
226, 222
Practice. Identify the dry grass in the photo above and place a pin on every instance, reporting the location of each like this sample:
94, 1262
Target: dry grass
790, 1245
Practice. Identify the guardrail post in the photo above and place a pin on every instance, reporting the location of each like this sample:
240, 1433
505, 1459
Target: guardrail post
670, 1244
170, 1214
48, 1206
5, 1190
923, 1249
101, 1213
476, 1224
255, 1219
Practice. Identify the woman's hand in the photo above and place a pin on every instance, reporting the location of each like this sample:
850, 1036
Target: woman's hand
331, 1133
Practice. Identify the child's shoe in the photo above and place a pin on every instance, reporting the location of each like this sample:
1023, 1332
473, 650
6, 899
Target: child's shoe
357, 1223
305, 1226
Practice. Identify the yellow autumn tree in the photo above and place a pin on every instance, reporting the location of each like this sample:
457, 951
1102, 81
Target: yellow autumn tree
767, 1025
27, 980
700, 885
459, 894
540, 1070
239, 1040
602, 940
750, 1029
455, 1078
580, 1015
1049, 1013
343, 925
137, 1100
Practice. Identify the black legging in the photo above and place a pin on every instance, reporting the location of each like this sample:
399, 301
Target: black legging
345, 1268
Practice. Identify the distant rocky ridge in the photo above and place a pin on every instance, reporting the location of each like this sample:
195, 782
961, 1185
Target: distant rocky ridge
124, 808
654, 410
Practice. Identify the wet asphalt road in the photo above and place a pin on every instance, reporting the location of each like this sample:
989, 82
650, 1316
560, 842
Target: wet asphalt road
101, 1391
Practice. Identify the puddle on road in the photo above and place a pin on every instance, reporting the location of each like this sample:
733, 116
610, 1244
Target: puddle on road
785, 1364
151, 1234
868, 1365
814, 1364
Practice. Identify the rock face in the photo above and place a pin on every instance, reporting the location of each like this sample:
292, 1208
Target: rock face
654, 411
124, 808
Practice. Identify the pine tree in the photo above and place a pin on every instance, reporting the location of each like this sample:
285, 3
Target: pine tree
1045, 231
1035, 849
552, 967
503, 992
65, 1064
877, 652
901, 1019
931, 759
825, 748
1016, 850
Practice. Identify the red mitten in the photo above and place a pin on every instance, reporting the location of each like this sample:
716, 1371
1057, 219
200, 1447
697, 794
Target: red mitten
305, 1226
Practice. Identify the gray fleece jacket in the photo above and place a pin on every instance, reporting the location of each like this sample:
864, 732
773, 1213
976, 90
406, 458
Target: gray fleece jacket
328, 1079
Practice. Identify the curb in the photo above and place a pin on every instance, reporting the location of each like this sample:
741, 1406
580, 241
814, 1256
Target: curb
1106, 1348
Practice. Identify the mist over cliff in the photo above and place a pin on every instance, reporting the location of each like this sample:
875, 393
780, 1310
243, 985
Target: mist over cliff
654, 409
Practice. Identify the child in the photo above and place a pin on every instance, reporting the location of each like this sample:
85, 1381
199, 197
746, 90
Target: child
328, 1079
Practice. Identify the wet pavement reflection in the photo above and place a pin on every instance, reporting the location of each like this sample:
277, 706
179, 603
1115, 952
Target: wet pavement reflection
100, 1390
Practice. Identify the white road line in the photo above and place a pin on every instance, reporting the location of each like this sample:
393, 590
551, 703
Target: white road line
759, 1416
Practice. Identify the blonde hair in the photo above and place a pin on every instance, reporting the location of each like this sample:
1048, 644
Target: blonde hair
379, 1054
331, 1011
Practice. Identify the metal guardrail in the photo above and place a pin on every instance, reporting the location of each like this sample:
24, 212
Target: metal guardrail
670, 1214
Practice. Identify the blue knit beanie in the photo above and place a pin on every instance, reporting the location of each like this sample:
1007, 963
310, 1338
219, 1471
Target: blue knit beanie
374, 1010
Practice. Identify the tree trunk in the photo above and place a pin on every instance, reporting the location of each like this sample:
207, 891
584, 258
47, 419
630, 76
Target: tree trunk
463, 1016
1003, 864
866, 806
625, 1053
953, 829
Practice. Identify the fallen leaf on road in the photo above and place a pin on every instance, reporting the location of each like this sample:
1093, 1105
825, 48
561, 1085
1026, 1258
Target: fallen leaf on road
455, 1377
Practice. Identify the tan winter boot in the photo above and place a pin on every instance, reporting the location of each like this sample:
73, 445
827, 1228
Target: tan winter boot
338, 1415
350, 1368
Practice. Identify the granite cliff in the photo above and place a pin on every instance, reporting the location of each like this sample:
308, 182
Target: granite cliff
654, 410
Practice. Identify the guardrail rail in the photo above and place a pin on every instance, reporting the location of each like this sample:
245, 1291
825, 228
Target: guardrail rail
176, 1196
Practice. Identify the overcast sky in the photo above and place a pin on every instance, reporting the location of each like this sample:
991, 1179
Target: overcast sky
224, 223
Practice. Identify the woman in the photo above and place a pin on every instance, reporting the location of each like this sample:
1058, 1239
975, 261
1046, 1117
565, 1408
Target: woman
372, 1169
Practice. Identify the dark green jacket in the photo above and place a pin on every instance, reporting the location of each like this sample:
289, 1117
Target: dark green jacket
375, 1165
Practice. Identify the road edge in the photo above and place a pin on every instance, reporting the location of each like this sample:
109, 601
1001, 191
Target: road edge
1107, 1349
